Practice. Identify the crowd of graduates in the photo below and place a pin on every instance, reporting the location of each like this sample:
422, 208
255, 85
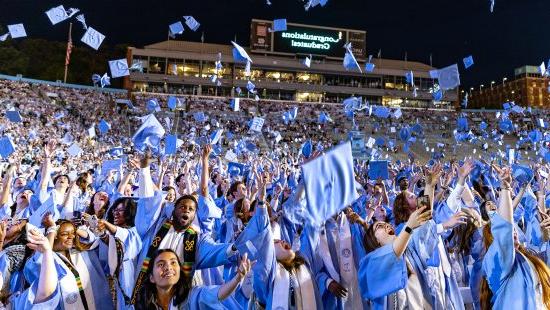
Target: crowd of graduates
103, 220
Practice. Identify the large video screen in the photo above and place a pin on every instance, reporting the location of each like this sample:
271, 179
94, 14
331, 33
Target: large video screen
303, 39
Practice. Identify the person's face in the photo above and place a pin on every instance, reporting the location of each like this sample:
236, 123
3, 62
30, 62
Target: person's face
19, 183
380, 213
88, 178
64, 240
383, 232
241, 191
62, 182
283, 251
24, 197
168, 179
490, 207
100, 199
118, 215
171, 195
184, 213
225, 185
166, 270
411, 200
403, 184
245, 211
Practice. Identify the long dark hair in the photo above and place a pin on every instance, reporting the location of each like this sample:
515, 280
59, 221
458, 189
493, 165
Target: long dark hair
369, 240
129, 211
461, 236
541, 270
148, 294
401, 210
91, 210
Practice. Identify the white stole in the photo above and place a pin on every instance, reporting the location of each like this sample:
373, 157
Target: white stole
69, 289
281, 288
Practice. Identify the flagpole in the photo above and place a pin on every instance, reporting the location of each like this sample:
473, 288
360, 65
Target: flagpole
68, 53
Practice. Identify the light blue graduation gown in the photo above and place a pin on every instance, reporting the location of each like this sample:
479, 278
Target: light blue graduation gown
381, 273
321, 273
509, 275
25, 300
149, 219
97, 280
257, 240
131, 242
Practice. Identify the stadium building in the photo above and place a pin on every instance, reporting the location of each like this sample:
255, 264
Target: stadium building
278, 70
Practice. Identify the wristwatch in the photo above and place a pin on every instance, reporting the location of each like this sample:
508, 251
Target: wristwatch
408, 230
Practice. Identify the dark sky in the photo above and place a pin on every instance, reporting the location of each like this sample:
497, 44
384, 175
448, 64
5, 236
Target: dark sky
514, 35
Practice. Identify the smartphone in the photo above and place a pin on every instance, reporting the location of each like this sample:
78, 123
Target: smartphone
423, 201
77, 218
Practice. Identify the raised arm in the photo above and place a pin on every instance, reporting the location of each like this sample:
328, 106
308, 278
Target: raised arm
205, 170
228, 288
47, 282
8, 180
46, 166
505, 208
520, 194
417, 218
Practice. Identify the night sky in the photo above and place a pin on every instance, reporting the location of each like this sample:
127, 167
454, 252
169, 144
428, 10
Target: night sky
514, 35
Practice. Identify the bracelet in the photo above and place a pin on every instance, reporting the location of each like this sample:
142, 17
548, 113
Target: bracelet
408, 230
52, 229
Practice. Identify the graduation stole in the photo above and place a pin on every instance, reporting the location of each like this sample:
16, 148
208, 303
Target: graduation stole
189, 249
78, 282
114, 279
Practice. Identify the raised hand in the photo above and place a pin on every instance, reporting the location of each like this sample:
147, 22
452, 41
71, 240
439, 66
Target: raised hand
419, 217
244, 266
38, 242
458, 218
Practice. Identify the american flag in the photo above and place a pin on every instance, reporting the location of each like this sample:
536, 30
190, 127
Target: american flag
69, 50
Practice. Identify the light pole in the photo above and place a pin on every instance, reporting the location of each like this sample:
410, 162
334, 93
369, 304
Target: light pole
492, 82
481, 86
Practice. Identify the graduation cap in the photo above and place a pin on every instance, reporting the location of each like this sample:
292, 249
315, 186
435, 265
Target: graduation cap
105, 80
369, 66
468, 62
417, 128
449, 77
153, 105
149, 133
103, 126
378, 169
307, 61
7, 147
14, 116
522, 174
119, 68
239, 54
462, 124
404, 134
507, 105
535, 136
176, 28
256, 124
235, 169
59, 14
506, 125
17, 31
172, 102
92, 38
307, 149
329, 184
216, 136
74, 150
483, 126
350, 63
279, 25
199, 117
192, 23
324, 118
250, 86
170, 144
382, 112
437, 95
380, 141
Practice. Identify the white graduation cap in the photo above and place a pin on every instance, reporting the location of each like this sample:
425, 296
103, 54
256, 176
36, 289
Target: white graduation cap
74, 150
239, 54
93, 38
307, 61
119, 68
192, 23
59, 14
17, 31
